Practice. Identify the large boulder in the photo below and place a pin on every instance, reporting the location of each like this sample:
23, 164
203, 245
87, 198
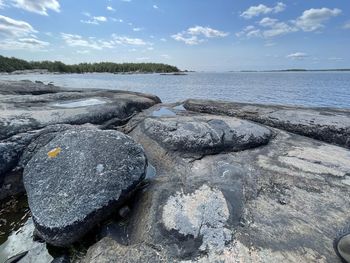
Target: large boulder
326, 124
30, 110
78, 179
205, 134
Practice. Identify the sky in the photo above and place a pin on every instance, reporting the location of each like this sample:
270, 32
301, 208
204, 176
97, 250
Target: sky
201, 35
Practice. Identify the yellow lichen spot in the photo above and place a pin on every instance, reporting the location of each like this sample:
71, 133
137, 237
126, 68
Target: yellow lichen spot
54, 152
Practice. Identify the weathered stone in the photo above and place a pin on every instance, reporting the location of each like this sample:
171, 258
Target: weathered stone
78, 179
205, 135
16, 151
326, 124
109, 251
23, 111
27, 108
281, 202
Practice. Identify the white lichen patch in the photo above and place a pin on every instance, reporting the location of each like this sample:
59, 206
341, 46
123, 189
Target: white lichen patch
326, 159
100, 168
203, 213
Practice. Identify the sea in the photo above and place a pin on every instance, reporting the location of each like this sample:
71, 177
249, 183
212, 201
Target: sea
317, 89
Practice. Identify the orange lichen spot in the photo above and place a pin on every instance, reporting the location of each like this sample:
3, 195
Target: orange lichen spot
54, 152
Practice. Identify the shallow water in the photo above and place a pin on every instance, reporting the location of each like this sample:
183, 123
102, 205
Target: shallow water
79, 103
295, 88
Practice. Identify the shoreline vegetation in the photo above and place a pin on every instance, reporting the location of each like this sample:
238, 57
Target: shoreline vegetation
13, 65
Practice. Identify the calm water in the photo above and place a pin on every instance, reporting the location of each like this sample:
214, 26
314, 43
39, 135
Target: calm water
299, 88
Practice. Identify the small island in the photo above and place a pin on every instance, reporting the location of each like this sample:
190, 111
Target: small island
15, 65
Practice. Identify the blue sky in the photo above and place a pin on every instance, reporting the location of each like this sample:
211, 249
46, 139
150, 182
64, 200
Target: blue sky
199, 35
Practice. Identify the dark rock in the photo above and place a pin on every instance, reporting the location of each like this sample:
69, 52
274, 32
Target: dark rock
16, 258
205, 134
78, 179
35, 111
16, 151
109, 251
61, 259
326, 124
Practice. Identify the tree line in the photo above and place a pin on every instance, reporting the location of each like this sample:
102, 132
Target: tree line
12, 64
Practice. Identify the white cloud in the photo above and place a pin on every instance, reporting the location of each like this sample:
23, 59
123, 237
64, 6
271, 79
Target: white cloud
137, 29
347, 25
96, 20
123, 40
163, 40
85, 51
191, 40
310, 20
275, 27
155, 7
297, 55
313, 19
100, 18
192, 34
262, 10
23, 44
19, 35
117, 20
78, 41
109, 8
2, 5
37, 6
249, 31
165, 56
206, 31
335, 59
12, 27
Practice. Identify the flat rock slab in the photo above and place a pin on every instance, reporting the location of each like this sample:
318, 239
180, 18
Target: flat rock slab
109, 251
326, 124
77, 180
205, 134
283, 202
26, 106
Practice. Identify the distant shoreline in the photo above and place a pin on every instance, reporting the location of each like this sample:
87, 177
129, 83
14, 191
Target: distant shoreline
294, 70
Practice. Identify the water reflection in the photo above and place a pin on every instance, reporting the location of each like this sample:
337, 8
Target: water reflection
161, 112
21, 241
79, 103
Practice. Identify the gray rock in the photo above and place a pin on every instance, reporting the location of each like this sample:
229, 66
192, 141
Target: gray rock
109, 251
26, 106
78, 179
35, 111
279, 203
205, 135
326, 124
17, 150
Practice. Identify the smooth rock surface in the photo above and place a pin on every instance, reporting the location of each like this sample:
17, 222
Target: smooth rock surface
205, 135
326, 124
78, 179
283, 202
26, 106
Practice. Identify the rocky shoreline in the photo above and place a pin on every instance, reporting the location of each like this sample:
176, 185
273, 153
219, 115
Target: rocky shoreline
194, 181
